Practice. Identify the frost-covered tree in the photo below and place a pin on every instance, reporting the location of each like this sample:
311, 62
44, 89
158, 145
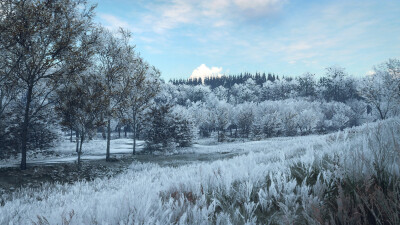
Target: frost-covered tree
8, 92
279, 89
359, 108
271, 124
245, 92
113, 58
204, 118
337, 116
40, 36
197, 93
80, 104
144, 86
288, 117
221, 93
222, 112
182, 126
157, 129
245, 118
306, 85
382, 89
337, 85
308, 120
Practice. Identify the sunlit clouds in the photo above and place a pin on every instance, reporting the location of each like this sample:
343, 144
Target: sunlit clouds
284, 37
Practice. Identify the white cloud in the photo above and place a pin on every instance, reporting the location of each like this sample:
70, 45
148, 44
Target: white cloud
112, 22
297, 47
170, 16
204, 71
250, 32
220, 23
259, 7
219, 13
370, 73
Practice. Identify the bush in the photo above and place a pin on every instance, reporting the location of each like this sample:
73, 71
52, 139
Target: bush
167, 127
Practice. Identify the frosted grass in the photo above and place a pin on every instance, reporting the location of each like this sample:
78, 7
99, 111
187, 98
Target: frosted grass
258, 187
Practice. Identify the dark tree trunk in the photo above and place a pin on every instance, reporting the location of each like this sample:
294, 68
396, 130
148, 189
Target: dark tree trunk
1, 101
126, 131
103, 133
25, 126
119, 131
77, 141
108, 139
134, 131
80, 150
70, 137
134, 139
380, 113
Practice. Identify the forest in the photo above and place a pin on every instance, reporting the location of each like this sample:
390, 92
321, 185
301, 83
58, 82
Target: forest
287, 149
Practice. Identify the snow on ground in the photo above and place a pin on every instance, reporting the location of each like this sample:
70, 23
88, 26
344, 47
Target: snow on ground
95, 149
137, 196
65, 151
271, 183
98, 147
246, 146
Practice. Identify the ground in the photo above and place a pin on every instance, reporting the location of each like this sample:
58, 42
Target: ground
280, 180
59, 165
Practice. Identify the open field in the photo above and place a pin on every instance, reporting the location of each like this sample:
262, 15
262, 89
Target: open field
286, 181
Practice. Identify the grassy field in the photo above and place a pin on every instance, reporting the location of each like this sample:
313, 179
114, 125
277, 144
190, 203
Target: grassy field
347, 177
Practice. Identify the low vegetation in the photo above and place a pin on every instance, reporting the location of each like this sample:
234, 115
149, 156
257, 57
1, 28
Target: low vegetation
348, 177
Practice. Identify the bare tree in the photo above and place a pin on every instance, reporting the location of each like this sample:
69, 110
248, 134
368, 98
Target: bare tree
113, 57
382, 88
8, 87
144, 86
40, 36
84, 105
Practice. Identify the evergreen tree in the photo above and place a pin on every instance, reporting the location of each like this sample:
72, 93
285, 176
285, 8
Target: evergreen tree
157, 129
182, 127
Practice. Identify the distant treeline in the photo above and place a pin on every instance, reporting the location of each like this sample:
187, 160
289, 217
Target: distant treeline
228, 81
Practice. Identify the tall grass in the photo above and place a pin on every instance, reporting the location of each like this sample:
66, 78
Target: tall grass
349, 177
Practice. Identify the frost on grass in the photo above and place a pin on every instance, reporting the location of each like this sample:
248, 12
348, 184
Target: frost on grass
343, 178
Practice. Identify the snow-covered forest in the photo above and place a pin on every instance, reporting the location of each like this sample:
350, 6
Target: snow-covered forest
90, 133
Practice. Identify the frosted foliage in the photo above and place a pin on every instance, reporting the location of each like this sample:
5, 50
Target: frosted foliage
381, 89
284, 185
276, 118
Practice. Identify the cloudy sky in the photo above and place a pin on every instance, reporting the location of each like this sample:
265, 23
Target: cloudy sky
287, 37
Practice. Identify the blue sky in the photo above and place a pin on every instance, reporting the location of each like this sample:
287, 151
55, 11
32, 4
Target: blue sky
287, 37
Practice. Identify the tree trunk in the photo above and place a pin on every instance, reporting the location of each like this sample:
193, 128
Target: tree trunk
380, 113
79, 145
125, 130
119, 131
80, 150
134, 131
25, 127
70, 137
1, 101
108, 139
77, 141
103, 133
